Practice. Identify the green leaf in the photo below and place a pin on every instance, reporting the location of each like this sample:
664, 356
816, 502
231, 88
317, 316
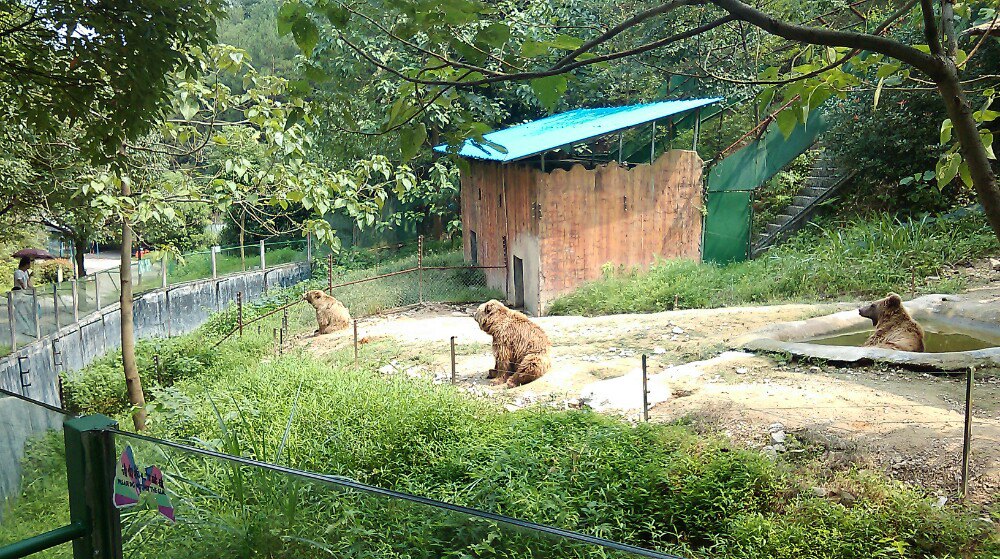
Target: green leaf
987, 138
946, 131
494, 35
764, 98
411, 138
906, 180
189, 108
549, 90
947, 169
963, 171
887, 70
565, 42
290, 12
787, 122
878, 93
532, 49
337, 15
306, 35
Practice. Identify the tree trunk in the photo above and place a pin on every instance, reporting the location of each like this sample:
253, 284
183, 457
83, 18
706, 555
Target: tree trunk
973, 151
133, 383
79, 250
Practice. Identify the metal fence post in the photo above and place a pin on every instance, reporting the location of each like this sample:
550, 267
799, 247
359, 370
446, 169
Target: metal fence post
76, 300
645, 390
967, 435
55, 303
420, 268
263, 264
239, 311
90, 469
215, 264
163, 271
10, 318
453, 359
97, 291
35, 313
355, 342
329, 273
309, 247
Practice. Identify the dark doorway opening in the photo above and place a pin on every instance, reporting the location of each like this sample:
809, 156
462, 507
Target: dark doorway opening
518, 282
474, 247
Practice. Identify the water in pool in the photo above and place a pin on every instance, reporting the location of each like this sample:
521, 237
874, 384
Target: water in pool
934, 342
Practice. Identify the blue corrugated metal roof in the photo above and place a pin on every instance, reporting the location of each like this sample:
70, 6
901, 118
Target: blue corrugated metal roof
532, 138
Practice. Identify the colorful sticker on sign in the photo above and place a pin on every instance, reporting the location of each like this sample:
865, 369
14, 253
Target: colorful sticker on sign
131, 482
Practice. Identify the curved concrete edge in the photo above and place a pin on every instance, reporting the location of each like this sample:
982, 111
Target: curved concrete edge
963, 314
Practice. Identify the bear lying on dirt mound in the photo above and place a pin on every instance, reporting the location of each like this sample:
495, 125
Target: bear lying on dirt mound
521, 348
331, 314
894, 328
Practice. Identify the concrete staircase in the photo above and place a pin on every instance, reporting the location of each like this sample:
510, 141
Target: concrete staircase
823, 181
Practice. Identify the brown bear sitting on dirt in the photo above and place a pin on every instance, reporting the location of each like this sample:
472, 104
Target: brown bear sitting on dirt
521, 348
331, 314
894, 329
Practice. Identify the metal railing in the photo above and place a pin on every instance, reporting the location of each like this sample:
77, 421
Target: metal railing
212, 498
31, 314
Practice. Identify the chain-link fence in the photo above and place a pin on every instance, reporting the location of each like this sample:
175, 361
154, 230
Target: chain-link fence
34, 313
387, 278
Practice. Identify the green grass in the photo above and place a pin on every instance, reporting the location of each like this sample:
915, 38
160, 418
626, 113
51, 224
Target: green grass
856, 259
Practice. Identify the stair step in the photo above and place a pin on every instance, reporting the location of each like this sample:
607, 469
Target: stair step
803, 201
795, 210
782, 219
771, 228
820, 181
814, 191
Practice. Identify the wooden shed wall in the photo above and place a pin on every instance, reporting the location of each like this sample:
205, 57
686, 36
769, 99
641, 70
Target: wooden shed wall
565, 225
616, 215
497, 202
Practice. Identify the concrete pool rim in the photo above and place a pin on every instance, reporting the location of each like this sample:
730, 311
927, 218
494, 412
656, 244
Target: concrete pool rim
962, 314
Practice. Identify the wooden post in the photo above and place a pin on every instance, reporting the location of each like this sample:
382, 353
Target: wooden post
215, 263
76, 300
55, 303
420, 268
239, 311
967, 437
645, 390
355, 342
453, 359
10, 318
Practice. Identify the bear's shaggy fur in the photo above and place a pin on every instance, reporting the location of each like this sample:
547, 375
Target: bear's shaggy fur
520, 346
331, 314
894, 328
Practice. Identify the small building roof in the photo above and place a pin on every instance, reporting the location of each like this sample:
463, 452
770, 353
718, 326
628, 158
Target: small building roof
572, 127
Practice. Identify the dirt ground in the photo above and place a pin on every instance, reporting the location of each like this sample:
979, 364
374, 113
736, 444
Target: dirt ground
907, 423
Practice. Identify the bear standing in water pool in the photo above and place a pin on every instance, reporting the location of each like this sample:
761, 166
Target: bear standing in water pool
894, 328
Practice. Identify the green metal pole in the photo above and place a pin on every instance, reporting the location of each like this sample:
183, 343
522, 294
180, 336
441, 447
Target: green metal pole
90, 473
41, 542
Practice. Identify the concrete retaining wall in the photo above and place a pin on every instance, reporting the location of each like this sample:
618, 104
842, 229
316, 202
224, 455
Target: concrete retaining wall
34, 370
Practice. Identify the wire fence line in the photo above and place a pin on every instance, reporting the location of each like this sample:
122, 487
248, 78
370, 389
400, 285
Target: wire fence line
391, 283
32, 314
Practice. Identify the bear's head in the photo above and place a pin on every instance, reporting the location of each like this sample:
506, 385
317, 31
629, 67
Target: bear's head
488, 310
878, 309
313, 295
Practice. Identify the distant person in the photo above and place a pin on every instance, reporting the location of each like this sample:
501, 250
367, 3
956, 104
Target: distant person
22, 275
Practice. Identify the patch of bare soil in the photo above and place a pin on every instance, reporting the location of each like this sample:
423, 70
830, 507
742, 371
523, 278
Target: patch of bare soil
908, 423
